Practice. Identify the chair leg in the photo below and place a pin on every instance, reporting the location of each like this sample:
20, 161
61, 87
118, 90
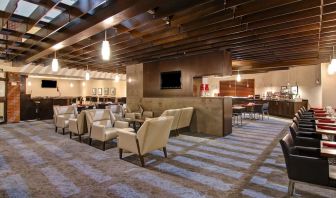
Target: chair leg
120, 153
70, 134
63, 131
55, 129
90, 141
165, 152
80, 138
104, 146
291, 188
142, 161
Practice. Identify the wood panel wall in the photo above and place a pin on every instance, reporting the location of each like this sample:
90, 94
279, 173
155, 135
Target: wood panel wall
216, 63
243, 88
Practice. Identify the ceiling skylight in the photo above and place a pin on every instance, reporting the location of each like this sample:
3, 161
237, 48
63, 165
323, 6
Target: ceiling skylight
69, 2
3, 4
25, 8
53, 13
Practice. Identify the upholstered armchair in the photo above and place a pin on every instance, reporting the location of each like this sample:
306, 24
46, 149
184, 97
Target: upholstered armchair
152, 135
176, 113
304, 138
185, 117
78, 126
102, 125
305, 165
62, 116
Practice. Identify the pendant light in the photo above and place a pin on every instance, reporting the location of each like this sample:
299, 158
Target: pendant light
332, 65
87, 73
54, 64
238, 77
106, 49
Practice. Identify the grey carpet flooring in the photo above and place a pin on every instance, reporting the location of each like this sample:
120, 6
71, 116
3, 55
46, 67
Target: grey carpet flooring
37, 162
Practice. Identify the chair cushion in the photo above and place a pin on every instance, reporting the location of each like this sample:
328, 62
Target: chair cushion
110, 133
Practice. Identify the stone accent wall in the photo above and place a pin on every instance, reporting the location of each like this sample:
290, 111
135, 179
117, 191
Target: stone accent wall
13, 98
134, 85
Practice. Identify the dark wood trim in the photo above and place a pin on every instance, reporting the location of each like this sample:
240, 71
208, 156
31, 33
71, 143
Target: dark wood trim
139, 153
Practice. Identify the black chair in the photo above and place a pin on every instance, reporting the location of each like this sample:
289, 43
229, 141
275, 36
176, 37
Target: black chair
305, 165
303, 138
309, 123
304, 126
258, 109
265, 108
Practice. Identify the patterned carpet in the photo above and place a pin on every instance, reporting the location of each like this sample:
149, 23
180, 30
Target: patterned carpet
37, 162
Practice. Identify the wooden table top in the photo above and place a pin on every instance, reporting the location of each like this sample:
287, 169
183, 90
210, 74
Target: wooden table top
328, 151
325, 131
238, 107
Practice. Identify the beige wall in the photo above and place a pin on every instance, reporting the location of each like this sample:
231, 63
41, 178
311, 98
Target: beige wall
78, 88
64, 88
328, 88
304, 76
120, 87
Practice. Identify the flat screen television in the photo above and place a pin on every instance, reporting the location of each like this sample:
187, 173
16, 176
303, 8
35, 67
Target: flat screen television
171, 80
49, 84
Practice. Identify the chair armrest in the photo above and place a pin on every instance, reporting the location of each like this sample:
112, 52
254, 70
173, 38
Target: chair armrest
98, 132
121, 124
73, 125
127, 141
130, 115
308, 169
60, 121
308, 151
307, 142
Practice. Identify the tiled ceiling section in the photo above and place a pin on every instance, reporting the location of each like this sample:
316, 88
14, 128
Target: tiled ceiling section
261, 34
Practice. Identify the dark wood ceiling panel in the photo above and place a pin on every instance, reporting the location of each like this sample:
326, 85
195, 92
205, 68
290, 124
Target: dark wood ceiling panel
275, 32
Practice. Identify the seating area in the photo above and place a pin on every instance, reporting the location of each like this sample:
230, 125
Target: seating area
168, 98
310, 146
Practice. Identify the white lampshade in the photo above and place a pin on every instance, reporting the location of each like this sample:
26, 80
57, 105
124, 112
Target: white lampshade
333, 66
117, 78
106, 50
87, 75
238, 78
330, 69
54, 65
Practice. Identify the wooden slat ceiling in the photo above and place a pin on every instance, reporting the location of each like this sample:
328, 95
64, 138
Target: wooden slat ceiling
262, 34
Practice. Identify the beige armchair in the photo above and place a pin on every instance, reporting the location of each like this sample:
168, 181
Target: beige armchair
78, 126
185, 117
102, 125
176, 113
62, 116
152, 135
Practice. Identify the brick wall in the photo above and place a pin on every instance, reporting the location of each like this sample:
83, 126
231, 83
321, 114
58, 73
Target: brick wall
13, 98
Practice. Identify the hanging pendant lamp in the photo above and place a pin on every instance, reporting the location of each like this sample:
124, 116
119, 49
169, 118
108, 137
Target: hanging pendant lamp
87, 73
54, 64
238, 77
106, 49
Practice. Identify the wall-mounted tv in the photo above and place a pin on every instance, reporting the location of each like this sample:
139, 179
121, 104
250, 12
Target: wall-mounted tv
49, 84
171, 80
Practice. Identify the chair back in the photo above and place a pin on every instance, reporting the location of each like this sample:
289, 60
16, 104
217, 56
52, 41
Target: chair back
257, 108
154, 133
293, 130
185, 117
296, 121
287, 144
81, 126
176, 113
100, 117
265, 106
61, 110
